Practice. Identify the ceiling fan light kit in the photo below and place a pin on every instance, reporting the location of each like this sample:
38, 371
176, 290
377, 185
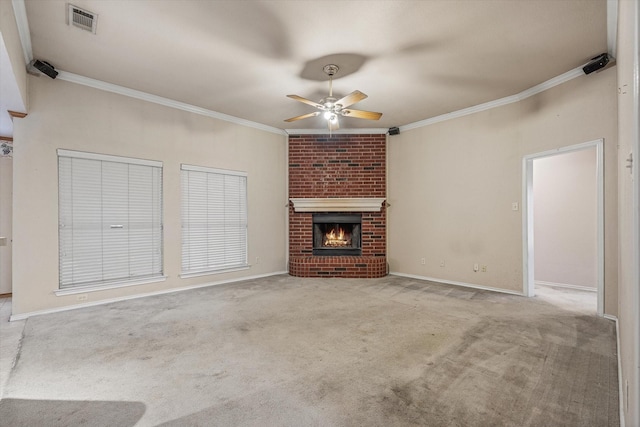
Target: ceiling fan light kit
332, 107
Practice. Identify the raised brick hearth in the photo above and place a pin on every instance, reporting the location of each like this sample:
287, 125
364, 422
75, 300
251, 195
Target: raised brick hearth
338, 167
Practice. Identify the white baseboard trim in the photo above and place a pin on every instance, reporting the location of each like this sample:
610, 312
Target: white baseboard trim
23, 316
611, 317
566, 285
463, 284
620, 388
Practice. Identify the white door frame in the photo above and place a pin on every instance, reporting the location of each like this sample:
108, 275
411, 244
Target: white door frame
527, 216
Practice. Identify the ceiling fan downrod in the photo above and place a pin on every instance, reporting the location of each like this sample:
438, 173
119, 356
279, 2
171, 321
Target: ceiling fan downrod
331, 70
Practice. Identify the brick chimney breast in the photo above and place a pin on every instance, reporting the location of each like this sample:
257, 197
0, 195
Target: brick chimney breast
338, 167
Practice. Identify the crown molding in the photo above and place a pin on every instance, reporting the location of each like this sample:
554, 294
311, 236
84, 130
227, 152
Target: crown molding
132, 93
109, 87
612, 27
20, 13
562, 78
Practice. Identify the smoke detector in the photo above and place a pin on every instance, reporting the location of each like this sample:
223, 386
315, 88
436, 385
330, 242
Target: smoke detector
81, 18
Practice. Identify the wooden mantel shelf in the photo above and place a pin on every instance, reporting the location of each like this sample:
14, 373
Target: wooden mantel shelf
337, 204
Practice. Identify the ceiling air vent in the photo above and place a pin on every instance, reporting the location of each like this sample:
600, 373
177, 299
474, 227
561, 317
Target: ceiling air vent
82, 18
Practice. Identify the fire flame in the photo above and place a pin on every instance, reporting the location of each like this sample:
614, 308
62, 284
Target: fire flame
337, 238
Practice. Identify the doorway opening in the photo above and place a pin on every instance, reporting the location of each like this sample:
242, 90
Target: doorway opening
563, 226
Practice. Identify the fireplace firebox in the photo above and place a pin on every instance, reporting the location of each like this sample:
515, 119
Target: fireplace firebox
336, 235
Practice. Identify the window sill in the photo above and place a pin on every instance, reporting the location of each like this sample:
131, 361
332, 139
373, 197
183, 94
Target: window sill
187, 275
108, 285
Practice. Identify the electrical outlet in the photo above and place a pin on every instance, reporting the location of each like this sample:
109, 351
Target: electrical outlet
442, 264
484, 268
257, 260
423, 261
514, 206
82, 297
476, 267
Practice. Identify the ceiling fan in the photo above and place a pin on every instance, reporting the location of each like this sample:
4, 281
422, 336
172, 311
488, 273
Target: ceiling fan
331, 107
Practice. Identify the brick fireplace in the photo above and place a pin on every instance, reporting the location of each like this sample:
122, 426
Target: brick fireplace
342, 176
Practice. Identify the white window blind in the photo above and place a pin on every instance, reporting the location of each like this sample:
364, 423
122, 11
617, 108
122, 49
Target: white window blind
214, 219
110, 219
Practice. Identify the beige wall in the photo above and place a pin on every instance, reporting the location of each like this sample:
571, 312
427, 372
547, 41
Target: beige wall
6, 172
11, 39
629, 194
452, 184
70, 116
565, 219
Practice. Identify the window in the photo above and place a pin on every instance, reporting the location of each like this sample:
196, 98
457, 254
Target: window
214, 220
110, 220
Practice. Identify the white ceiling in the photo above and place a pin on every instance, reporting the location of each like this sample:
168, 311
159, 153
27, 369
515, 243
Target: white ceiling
415, 59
